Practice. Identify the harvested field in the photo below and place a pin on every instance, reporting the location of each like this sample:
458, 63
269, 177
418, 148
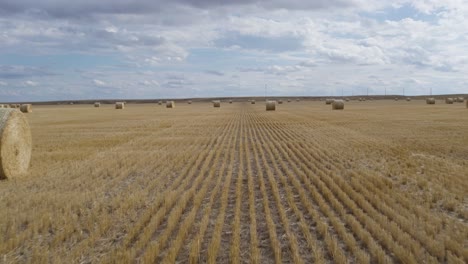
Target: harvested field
382, 181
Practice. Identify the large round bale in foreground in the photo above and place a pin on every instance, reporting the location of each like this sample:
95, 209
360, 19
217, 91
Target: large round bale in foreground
170, 104
338, 105
119, 105
26, 108
15, 144
271, 105
449, 100
252, 102
97, 104
430, 101
329, 101
216, 103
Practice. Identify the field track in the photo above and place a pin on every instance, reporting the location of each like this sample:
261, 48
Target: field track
380, 182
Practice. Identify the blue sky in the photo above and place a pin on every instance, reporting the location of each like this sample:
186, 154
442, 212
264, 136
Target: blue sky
62, 50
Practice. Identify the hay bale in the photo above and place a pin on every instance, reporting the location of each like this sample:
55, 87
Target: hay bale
119, 105
396, 99
189, 102
97, 104
170, 104
289, 100
252, 102
26, 108
338, 105
449, 100
346, 99
12, 105
216, 103
280, 101
329, 101
230, 101
1, 106
460, 99
408, 99
15, 144
430, 101
298, 100
271, 105
160, 103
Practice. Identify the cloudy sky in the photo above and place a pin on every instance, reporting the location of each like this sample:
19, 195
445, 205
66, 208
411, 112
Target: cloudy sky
91, 49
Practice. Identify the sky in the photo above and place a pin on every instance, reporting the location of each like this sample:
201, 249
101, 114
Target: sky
143, 49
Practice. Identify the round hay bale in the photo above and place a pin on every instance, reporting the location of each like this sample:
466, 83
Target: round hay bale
271, 105
338, 105
15, 144
289, 100
189, 102
26, 108
230, 101
408, 99
119, 105
280, 101
346, 99
298, 100
430, 101
449, 100
216, 103
460, 99
170, 104
12, 105
160, 103
396, 99
1, 106
252, 102
97, 104
329, 101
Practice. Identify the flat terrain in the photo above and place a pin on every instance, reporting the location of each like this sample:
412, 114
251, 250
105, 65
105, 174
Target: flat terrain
381, 181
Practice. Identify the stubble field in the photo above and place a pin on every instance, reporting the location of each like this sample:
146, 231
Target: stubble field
379, 182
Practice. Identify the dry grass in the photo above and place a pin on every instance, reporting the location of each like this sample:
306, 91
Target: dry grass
195, 185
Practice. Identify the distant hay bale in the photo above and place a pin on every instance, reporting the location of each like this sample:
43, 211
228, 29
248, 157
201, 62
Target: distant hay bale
97, 104
160, 103
396, 98
252, 101
430, 101
460, 99
216, 103
280, 101
1, 106
338, 105
289, 100
12, 105
189, 102
347, 99
360, 99
271, 105
170, 104
329, 101
408, 99
449, 100
15, 144
119, 105
26, 108
298, 100
230, 101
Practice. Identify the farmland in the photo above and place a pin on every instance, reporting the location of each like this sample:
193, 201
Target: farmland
378, 182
